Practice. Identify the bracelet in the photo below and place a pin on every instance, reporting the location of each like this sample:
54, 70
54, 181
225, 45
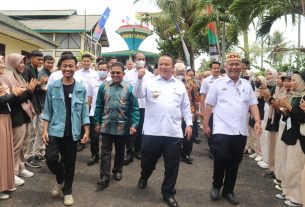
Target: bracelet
258, 121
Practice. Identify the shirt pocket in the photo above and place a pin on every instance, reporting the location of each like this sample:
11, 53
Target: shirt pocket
57, 102
154, 95
78, 105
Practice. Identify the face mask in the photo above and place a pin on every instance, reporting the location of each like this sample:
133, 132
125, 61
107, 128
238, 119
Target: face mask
258, 84
140, 63
180, 77
103, 74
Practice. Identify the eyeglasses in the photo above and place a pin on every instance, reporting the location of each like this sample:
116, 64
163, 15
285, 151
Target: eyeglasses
115, 72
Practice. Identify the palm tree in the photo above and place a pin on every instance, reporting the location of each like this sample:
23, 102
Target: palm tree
185, 14
277, 9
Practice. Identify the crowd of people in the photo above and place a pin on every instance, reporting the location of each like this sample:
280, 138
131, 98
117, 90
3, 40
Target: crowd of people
48, 113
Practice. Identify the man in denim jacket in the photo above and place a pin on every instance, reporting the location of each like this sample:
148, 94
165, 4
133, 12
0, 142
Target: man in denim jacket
62, 128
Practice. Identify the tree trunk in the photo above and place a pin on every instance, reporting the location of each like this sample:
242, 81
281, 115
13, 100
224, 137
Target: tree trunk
246, 43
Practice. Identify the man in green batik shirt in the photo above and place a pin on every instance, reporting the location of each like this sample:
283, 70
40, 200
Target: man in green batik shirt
116, 117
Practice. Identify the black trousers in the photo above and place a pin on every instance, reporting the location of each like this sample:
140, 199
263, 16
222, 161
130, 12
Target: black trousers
195, 133
228, 153
60, 159
152, 149
138, 140
210, 139
130, 140
94, 139
187, 145
106, 148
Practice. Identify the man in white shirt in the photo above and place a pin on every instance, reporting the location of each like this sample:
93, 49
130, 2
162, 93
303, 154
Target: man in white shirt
204, 89
166, 103
129, 66
102, 69
230, 98
88, 74
134, 146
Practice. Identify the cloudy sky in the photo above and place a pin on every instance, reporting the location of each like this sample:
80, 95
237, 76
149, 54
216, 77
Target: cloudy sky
122, 8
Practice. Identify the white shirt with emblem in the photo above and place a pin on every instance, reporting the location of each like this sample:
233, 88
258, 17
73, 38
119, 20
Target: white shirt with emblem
131, 77
231, 102
93, 90
166, 103
206, 84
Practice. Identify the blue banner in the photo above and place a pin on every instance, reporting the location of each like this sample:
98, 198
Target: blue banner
100, 25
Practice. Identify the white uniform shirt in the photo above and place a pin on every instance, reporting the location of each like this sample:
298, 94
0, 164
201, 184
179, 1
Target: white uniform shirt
58, 75
131, 77
231, 104
206, 84
166, 103
93, 90
88, 75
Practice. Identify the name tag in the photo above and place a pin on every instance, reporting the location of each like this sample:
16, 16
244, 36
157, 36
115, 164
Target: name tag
70, 95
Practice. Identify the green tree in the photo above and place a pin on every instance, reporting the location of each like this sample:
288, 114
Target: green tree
278, 8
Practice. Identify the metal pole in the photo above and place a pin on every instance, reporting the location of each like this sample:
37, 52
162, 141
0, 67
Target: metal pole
299, 37
223, 44
299, 31
262, 53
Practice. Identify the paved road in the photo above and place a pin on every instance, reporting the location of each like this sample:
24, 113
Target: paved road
193, 186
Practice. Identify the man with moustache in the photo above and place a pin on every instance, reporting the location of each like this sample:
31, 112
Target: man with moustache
116, 117
103, 71
230, 98
62, 128
162, 132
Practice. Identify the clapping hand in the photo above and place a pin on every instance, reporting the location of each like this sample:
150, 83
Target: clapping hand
285, 103
17, 91
32, 85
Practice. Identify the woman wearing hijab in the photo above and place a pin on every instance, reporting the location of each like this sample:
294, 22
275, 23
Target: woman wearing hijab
272, 122
296, 142
260, 84
6, 136
21, 113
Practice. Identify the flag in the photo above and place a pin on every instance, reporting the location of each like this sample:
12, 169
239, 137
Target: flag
212, 37
101, 24
185, 50
126, 20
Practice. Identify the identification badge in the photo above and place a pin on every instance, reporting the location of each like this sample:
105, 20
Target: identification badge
155, 94
288, 123
70, 95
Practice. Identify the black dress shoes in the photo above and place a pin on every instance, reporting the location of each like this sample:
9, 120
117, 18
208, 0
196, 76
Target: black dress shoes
80, 147
92, 160
197, 140
231, 198
187, 159
215, 194
171, 201
103, 182
117, 176
138, 155
211, 155
128, 159
142, 183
